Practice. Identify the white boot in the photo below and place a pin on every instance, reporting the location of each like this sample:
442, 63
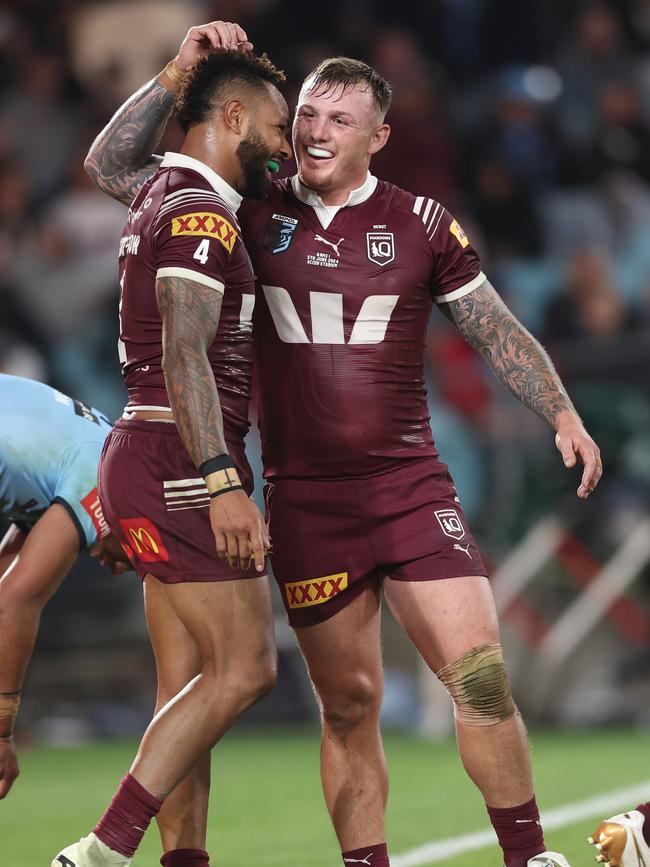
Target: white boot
90, 852
548, 859
620, 841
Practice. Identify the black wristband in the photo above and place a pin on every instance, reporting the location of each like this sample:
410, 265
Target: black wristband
226, 491
212, 465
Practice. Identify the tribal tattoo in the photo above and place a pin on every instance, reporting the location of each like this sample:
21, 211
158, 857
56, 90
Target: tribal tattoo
190, 316
517, 359
120, 159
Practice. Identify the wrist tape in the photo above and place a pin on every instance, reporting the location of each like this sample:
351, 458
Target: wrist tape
220, 475
9, 704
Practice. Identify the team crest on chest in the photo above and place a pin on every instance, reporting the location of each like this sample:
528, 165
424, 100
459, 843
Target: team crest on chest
279, 233
380, 247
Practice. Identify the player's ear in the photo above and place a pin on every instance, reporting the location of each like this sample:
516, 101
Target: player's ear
234, 115
379, 138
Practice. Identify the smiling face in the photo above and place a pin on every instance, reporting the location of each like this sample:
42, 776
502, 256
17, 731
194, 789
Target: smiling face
335, 132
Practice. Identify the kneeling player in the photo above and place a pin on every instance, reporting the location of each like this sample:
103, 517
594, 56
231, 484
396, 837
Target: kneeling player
49, 451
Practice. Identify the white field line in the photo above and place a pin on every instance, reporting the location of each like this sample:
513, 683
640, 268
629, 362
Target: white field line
600, 807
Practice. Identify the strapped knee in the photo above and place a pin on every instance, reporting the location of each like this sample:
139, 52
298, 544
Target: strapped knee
478, 686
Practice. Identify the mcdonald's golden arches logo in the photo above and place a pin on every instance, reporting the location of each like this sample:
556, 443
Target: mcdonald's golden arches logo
143, 539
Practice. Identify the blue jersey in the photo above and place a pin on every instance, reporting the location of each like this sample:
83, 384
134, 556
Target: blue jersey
49, 451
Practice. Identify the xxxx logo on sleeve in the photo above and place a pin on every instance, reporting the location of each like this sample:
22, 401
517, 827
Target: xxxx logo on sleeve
206, 225
459, 234
144, 540
300, 594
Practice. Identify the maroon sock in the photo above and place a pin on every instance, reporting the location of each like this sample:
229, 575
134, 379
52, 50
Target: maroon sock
371, 856
128, 816
185, 858
645, 809
519, 832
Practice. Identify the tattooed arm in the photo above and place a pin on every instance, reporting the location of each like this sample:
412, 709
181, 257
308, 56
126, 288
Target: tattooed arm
190, 315
121, 158
523, 366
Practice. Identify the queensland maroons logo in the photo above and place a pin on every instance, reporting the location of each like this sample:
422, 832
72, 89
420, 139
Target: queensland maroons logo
450, 523
380, 247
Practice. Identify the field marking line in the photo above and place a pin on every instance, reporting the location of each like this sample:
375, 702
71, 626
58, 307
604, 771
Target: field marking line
600, 806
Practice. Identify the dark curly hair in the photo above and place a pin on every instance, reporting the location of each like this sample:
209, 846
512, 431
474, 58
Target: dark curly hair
208, 79
348, 72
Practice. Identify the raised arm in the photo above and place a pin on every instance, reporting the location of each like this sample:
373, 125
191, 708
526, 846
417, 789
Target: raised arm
190, 315
122, 156
523, 366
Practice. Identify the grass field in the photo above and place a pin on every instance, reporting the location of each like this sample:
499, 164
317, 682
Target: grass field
267, 806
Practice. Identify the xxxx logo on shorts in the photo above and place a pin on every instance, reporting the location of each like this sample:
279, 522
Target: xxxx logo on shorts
300, 594
144, 540
206, 225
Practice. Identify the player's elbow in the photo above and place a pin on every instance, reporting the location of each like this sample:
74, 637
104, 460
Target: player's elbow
92, 170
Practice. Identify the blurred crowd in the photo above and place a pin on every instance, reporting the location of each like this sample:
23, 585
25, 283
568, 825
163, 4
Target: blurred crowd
529, 120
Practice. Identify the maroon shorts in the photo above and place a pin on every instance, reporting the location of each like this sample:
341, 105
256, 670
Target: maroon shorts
157, 504
333, 538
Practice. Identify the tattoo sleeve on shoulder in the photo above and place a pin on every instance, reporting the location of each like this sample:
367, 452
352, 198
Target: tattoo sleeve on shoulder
190, 315
517, 359
121, 158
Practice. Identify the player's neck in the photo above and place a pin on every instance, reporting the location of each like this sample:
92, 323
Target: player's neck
212, 153
338, 195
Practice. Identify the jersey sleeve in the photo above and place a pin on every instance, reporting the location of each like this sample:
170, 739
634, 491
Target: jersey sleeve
195, 242
76, 491
457, 267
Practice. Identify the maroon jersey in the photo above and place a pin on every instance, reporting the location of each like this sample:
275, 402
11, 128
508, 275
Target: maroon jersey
343, 300
182, 223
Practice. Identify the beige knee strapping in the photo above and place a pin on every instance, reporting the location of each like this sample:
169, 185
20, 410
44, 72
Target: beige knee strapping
478, 686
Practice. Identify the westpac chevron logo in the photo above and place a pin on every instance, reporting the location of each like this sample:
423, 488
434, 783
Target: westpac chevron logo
301, 594
326, 313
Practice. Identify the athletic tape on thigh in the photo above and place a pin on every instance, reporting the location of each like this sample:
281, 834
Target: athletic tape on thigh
478, 686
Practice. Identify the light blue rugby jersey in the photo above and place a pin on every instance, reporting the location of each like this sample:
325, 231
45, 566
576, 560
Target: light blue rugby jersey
49, 451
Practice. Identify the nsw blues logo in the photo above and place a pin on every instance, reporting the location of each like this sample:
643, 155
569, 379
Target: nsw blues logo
279, 233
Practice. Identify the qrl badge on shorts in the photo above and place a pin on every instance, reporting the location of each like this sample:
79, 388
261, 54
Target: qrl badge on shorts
450, 523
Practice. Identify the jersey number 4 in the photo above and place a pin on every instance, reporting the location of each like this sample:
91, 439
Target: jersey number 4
326, 309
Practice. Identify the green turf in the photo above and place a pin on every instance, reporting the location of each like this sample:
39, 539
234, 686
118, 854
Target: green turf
267, 808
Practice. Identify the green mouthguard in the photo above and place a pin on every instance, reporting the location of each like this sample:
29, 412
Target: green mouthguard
273, 166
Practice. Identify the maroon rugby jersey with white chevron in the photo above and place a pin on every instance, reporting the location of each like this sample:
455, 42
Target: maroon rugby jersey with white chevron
182, 223
343, 300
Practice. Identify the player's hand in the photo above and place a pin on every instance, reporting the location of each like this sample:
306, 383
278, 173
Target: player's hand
239, 530
204, 38
573, 442
9, 769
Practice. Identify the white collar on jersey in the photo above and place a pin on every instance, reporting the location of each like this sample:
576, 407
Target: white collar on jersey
182, 161
326, 213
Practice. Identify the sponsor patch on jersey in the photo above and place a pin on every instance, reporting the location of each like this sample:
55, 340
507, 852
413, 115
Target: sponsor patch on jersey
450, 523
94, 508
380, 247
457, 231
301, 594
143, 540
278, 234
205, 224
